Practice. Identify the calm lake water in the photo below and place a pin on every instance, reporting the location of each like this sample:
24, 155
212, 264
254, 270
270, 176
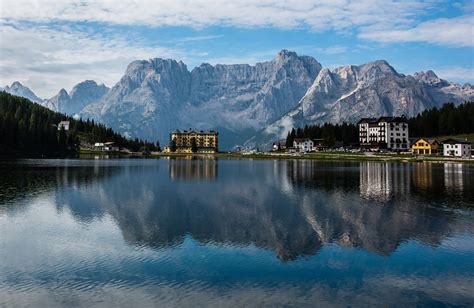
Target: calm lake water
235, 233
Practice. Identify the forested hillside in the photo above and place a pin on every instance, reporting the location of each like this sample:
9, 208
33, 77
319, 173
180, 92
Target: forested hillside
31, 129
448, 120
347, 133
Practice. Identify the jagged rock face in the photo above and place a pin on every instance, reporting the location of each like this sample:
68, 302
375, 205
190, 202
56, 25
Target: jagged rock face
83, 94
369, 90
157, 96
256, 94
146, 101
20, 90
59, 102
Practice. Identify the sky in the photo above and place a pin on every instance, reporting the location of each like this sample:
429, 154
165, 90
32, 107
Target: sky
49, 45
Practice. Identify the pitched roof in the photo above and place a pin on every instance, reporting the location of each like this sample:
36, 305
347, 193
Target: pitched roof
456, 141
198, 132
367, 120
298, 140
429, 140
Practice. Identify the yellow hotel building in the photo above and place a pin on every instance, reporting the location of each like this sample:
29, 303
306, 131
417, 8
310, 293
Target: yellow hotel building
424, 146
206, 141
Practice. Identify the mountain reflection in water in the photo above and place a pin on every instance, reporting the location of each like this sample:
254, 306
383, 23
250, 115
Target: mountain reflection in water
218, 232
290, 207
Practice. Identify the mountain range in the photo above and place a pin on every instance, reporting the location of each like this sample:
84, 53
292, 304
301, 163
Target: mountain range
249, 105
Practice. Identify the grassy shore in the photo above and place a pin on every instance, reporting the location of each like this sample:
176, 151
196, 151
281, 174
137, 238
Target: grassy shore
346, 156
342, 156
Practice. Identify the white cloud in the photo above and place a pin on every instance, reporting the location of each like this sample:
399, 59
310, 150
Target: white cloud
332, 49
46, 55
47, 60
318, 15
457, 31
459, 74
199, 38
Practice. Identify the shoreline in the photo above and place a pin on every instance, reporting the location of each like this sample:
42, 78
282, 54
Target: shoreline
324, 156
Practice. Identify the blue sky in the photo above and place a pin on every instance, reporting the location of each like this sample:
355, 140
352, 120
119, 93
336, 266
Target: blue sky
49, 45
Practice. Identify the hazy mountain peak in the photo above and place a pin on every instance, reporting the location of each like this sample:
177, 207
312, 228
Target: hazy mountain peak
16, 84
18, 89
86, 87
62, 92
81, 95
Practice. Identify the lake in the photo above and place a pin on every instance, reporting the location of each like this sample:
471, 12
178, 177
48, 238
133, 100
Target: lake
222, 232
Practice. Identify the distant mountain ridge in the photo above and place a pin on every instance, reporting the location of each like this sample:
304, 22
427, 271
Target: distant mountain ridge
253, 104
83, 94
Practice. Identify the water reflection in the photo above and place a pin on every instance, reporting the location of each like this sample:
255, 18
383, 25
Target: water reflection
455, 176
423, 175
290, 207
189, 169
181, 232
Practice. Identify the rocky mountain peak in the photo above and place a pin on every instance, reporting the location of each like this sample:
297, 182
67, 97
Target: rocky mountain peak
62, 93
429, 77
285, 54
81, 95
18, 89
88, 88
377, 69
16, 85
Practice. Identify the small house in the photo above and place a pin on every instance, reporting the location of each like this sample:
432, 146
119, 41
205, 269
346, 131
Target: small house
279, 145
457, 147
425, 146
63, 125
110, 146
319, 144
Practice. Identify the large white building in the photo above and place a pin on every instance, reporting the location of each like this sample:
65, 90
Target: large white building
389, 133
457, 148
303, 144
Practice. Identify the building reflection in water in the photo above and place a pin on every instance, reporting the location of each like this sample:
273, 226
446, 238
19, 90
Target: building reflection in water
381, 181
454, 176
188, 169
422, 175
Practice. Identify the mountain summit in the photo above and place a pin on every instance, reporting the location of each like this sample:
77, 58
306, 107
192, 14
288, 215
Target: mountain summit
20, 90
83, 94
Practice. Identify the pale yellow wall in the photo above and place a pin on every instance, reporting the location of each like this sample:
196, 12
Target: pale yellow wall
202, 140
421, 146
